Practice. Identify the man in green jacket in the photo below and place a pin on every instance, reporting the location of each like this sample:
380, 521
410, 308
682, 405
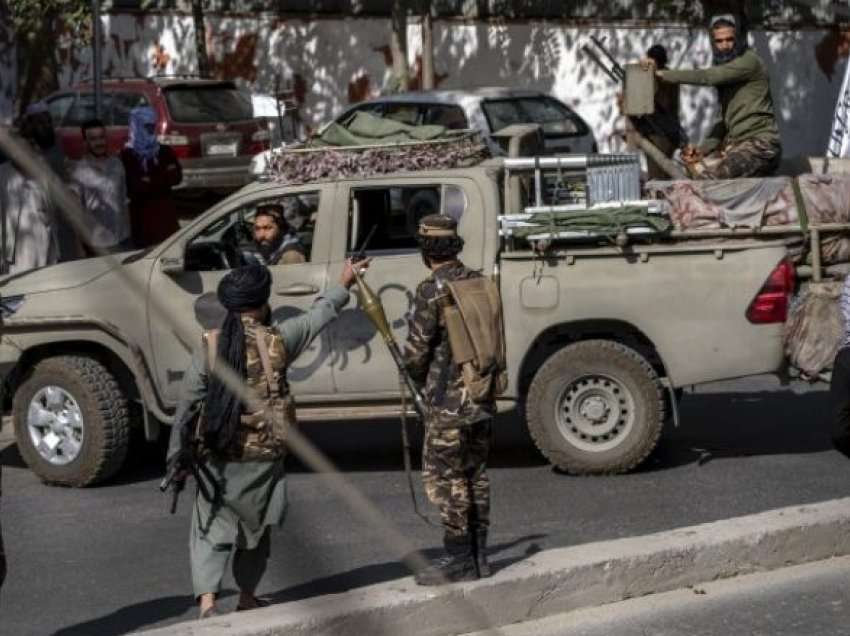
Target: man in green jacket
745, 142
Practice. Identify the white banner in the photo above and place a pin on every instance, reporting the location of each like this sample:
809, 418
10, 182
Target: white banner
839, 139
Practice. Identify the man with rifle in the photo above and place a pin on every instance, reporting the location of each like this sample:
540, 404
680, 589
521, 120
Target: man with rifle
745, 143
236, 450
461, 378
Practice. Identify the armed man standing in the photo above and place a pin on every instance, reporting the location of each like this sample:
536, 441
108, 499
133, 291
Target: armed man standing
459, 390
237, 451
745, 143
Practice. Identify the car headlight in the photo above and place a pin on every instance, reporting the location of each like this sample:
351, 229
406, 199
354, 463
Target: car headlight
9, 305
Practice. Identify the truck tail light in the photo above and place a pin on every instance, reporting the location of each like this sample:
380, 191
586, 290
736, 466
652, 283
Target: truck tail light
260, 142
179, 144
771, 304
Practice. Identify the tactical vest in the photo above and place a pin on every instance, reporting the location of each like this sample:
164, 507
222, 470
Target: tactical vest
262, 434
472, 311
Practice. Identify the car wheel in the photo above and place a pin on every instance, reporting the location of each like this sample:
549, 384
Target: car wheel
595, 407
72, 422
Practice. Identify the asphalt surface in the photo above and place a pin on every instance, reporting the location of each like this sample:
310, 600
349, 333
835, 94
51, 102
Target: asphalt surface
808, 599
110, 560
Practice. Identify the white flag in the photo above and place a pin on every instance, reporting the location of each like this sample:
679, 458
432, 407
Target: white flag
839, 139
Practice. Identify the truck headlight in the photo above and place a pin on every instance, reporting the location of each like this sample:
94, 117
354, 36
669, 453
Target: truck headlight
9, 305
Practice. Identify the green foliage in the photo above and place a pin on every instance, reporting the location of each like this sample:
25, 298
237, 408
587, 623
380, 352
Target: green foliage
29, 17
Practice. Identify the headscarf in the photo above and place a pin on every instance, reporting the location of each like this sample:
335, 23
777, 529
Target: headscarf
244, 288
141, 141
727, 19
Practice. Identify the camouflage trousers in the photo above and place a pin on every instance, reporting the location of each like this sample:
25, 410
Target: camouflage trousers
454, 471
750, 158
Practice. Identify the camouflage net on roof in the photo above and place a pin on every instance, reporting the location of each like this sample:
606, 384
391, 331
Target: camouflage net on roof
304, 165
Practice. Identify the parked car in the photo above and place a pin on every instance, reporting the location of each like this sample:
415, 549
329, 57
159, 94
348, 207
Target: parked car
209, 124
488, 110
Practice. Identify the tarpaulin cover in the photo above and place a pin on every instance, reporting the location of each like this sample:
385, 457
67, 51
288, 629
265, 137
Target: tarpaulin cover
815, 328
728, 203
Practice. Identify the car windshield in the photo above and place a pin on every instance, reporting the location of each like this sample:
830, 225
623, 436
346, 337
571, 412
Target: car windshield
200, 104
556, 119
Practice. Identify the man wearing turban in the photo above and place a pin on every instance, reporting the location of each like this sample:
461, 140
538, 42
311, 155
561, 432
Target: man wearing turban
745, 142
240, 472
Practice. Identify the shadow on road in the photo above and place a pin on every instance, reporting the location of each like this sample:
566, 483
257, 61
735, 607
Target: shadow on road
383, 572
132, 617
722, 425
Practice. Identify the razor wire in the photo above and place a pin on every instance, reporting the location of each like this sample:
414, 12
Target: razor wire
363, 507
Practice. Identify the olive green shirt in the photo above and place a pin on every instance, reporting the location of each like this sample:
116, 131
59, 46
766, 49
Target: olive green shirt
746, 104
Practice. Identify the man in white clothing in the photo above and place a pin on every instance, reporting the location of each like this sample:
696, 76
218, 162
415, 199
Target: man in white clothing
102, 184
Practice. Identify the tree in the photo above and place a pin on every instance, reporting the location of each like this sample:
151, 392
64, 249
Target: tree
398, 47
200, 38
37, 25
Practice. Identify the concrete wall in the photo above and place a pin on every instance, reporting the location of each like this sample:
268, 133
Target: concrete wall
335, 61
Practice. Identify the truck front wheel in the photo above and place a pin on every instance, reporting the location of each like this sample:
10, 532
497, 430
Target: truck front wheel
595, 407
71, 421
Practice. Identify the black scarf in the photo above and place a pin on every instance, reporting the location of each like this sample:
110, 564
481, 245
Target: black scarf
242, 289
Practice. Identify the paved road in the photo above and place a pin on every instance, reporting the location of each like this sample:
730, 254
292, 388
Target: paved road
108, 560
809, 599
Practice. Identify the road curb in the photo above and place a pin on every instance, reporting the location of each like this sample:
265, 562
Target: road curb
556, 581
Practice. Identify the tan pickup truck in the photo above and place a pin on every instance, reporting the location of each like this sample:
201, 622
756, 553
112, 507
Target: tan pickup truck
598, 336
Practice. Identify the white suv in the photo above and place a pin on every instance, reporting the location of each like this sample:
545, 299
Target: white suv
485, 109
488, 110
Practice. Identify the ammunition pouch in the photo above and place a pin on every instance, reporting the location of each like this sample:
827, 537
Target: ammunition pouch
476, 336
262, 435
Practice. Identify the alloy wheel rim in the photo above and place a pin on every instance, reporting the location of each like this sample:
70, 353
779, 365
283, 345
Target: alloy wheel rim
55, 425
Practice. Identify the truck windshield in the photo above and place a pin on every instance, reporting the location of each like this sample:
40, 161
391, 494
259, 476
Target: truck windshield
200, 104
556, 119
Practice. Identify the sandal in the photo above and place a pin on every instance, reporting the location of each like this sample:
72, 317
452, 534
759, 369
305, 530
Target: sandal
209, 613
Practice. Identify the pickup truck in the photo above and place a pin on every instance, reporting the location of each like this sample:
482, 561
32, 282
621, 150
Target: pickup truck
599, 336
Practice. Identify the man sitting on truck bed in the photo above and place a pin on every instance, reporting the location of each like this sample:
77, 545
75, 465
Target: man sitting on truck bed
745, 143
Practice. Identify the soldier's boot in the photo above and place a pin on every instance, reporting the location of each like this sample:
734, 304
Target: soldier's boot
481, 562
458, 564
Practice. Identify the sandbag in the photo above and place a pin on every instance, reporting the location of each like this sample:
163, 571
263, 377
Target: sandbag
815, 328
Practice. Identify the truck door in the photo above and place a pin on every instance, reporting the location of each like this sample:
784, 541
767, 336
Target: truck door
390, 210
208, 249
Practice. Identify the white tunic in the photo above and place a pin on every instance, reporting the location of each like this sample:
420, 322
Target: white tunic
30, 227
103, 189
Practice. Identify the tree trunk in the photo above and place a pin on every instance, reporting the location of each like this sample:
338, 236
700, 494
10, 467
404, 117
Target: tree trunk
398, 46
427, 50
38, 68
200, 38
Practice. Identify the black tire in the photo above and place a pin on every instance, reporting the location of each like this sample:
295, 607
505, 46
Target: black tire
105, 420
626, 392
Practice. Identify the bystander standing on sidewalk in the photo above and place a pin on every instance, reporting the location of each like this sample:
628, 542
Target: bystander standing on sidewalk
36, 126
102, 186
152, 171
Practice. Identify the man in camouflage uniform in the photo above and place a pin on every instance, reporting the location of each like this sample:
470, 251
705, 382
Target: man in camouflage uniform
240, 471
745, 143
458, 430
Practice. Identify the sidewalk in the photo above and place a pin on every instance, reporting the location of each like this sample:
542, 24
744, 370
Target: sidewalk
556, 581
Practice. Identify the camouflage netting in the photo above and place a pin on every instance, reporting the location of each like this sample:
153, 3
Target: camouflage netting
305, 166
370, 145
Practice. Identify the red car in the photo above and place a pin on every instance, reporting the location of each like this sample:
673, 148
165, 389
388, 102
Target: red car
208, 123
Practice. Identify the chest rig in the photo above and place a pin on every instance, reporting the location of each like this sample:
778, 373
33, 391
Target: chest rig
262, 434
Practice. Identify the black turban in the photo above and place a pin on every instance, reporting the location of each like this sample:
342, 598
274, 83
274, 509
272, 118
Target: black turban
242, 289
245, 288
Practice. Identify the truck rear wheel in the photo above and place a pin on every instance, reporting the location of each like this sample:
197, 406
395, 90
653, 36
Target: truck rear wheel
595, 407
71, 421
